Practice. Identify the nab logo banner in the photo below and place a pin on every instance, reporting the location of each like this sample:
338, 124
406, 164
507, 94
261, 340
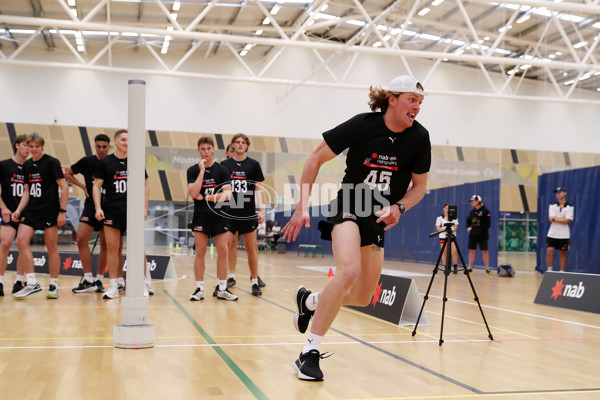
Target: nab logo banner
570, 290
388, 300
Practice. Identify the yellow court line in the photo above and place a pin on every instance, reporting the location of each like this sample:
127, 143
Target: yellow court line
475, 395
381, 320
491, 326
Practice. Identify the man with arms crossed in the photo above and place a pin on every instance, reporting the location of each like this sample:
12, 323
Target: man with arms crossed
88, 223
386, 150
12, 184
207, 184
560, 214
40, 209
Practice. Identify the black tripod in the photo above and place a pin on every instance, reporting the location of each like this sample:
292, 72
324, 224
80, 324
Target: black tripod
448, 240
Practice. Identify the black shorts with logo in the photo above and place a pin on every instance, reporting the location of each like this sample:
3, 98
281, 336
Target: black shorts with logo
371, 232
40, 222
243, 226
211, 227
116, 219
481, 240
88, 217
559, 244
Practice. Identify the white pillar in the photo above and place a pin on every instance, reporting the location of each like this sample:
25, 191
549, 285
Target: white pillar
134, 330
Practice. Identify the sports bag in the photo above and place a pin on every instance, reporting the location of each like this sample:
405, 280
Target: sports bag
506, 270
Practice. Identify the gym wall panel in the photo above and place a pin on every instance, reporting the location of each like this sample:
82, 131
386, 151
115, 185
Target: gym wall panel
584, 159
5, 143
446, 153
177, 185
510, 198
156, 191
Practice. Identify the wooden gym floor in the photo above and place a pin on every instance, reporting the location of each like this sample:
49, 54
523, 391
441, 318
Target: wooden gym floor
244, 350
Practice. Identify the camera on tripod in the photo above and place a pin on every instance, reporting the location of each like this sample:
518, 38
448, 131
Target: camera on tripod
452, 213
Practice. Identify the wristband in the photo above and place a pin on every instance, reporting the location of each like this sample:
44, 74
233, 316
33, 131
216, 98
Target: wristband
62, 210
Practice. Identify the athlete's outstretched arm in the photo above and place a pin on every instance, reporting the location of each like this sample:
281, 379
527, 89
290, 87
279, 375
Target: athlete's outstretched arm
319, 156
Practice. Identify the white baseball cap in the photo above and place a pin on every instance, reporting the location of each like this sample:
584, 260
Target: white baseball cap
406, 84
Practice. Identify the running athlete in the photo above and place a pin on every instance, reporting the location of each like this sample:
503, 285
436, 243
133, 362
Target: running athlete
111, 176
208, 185
88, 223
12, 184
40, 209
245, 175
385, 151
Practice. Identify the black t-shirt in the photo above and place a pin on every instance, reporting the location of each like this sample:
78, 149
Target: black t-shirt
243, 175
12, 181
479, 220
215, 177
86, 166
113, 171
379, 158
41, 176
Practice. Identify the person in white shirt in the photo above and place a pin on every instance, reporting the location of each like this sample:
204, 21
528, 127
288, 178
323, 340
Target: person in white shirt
440, 223
560, 214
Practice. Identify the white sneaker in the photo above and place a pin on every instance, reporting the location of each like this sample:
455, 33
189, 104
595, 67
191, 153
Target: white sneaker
197, 295
27, 290
148, 289
52, 292
226, 295
111, 293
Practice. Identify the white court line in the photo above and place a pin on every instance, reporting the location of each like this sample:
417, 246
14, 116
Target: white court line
520, 312
245, 344
386, 271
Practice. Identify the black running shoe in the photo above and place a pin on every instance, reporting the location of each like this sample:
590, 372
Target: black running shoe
302, 315
99, 286
260, 282
85, 287
307, 365
455, 270
216, 291
230, 282
17, 287
256, 290
1, 289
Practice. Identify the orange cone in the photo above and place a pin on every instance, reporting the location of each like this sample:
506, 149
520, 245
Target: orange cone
330, 273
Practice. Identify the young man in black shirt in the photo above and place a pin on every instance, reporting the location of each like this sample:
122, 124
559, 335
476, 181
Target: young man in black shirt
12, 184
88, 223
208, 184
40, 209
386, 150
111, 176
245, 175
478, 224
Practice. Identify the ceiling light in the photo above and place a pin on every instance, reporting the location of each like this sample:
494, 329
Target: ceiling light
71, 3
580, 44
444, 59
597, 73
80, 48
598, 90
525, 66
486, 38
176, 5
377, 44
325, 16
512, 71
275, 9
248, 47
243, 53
551, 56
558, 53
325, 7
174, 16
79, 41
356, 22
259, 32
266, 21
565, 73
505, 28
74, 12
523, 19
424, 11
567, 83
437, 3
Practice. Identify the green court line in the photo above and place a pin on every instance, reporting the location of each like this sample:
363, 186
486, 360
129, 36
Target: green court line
230, 363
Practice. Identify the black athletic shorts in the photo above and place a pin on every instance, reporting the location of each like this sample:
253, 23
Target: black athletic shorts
559, 244
209, 226
88, 217
41, 221
242, 226
370, 231
481, 240
116, 219
14, 225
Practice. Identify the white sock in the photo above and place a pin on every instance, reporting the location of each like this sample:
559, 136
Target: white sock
200, 284
232, 276
99, 277
114, 283
54, 281
254, 281
31, 279
19, 278
1, 278
88, 277
311, 301
120, 281
222, 285
312, 342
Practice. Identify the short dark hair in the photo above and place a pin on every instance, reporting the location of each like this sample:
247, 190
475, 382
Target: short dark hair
18, 140
228, 149
119, 133
206, 139
102, 138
